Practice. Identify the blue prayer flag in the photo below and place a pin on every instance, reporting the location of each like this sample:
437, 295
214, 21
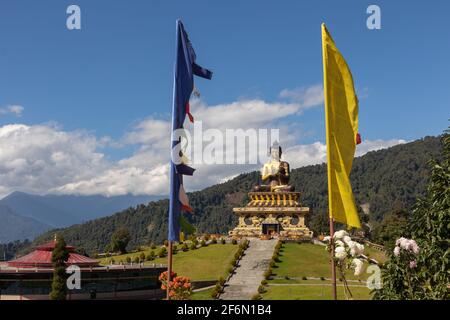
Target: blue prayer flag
185, 69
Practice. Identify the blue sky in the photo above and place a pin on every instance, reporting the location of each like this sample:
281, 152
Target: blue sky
117, 71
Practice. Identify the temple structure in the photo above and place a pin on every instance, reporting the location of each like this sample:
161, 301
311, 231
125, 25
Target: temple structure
30, 278
274, 207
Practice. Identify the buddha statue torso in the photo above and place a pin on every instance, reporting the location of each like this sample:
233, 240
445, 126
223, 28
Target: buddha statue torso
275, 173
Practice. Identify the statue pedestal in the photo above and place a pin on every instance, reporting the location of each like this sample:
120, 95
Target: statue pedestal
272, 213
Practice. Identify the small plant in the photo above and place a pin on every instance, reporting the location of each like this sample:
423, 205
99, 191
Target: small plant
222, 281
150, 256
162, 252
136, 259
257, 297
202, 243
206, 237
193, 246
264, 282
142, 256
261, 289
214, 241
128, 259
267, 274
184, 247
222, 241
230, 269
304, 278
322, 278
166, 243
286, 277
153, 246
234, 241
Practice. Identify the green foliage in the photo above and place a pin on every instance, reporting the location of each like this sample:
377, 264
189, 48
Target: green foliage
393, 226
59, 257
162, 252
430, 228
120, 240
222, 241
203, 243
150, 256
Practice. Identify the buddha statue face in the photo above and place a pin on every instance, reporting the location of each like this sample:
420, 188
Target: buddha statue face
275, 152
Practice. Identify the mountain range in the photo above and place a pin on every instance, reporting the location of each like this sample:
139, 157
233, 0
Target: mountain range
381, 180
25, 216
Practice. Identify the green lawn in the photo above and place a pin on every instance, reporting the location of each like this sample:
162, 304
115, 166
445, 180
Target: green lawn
206, 263
202, 295
311, 261
313, 292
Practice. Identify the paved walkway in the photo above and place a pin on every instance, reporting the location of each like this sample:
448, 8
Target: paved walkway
250, 272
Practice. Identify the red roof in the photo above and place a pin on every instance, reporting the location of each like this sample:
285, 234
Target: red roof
42, 258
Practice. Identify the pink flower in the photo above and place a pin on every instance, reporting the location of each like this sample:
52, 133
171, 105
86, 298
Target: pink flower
397, 251
413, 264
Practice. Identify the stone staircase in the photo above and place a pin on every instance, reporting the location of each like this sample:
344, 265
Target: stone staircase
250, 272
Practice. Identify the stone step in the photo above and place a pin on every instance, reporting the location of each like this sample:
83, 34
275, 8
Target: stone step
250, 272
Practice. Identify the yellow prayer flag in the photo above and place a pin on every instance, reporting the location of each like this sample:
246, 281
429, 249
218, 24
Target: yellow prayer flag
341, 117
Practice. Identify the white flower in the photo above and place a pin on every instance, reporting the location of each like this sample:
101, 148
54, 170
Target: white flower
339, 243
340, 253
347, 239
397, 251
340, 234
358, 264
327, 238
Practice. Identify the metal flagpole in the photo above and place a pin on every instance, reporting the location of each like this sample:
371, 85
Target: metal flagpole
169, 269
333, 265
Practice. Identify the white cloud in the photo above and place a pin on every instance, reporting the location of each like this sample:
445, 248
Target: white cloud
13, 109
46, 159
306, 97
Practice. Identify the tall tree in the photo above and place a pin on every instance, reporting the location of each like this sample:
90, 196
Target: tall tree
120, 240
60, 255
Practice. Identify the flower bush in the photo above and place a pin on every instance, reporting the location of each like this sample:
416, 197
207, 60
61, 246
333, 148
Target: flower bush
180, 288
346, 255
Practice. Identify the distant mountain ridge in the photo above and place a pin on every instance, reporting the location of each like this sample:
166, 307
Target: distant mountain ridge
16, 227
35, 214
380, 179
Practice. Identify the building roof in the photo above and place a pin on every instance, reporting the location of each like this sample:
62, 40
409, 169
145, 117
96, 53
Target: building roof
42, 258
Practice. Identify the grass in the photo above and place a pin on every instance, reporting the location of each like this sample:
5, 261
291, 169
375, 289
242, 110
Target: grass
202, 295
206, 263
312, 261
313, 292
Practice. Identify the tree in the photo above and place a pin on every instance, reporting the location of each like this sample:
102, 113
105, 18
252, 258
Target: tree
393, 226
60, 255
425, 275
120, 240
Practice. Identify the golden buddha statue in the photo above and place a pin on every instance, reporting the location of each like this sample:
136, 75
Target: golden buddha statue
275, 173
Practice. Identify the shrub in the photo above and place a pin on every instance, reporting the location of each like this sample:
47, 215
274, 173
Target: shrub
214, 241
128, 259
264, 282
214, 293
206, 237
162, 252
112, 261
153, 246
234, 241
222, 241
202, 243
142, 256
272, 264
195, 241
222, 281
166, 243
150, 256
193, 246
184, 247
286, 277
233, 263
304, 278
322, 278
136, 259
230, 269
267, 274
257, 297
174, 248
261, 289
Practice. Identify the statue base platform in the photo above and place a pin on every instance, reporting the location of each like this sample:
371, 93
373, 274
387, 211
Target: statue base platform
272, 213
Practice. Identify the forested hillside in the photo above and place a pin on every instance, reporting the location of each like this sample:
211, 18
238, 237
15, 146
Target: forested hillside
380, 179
